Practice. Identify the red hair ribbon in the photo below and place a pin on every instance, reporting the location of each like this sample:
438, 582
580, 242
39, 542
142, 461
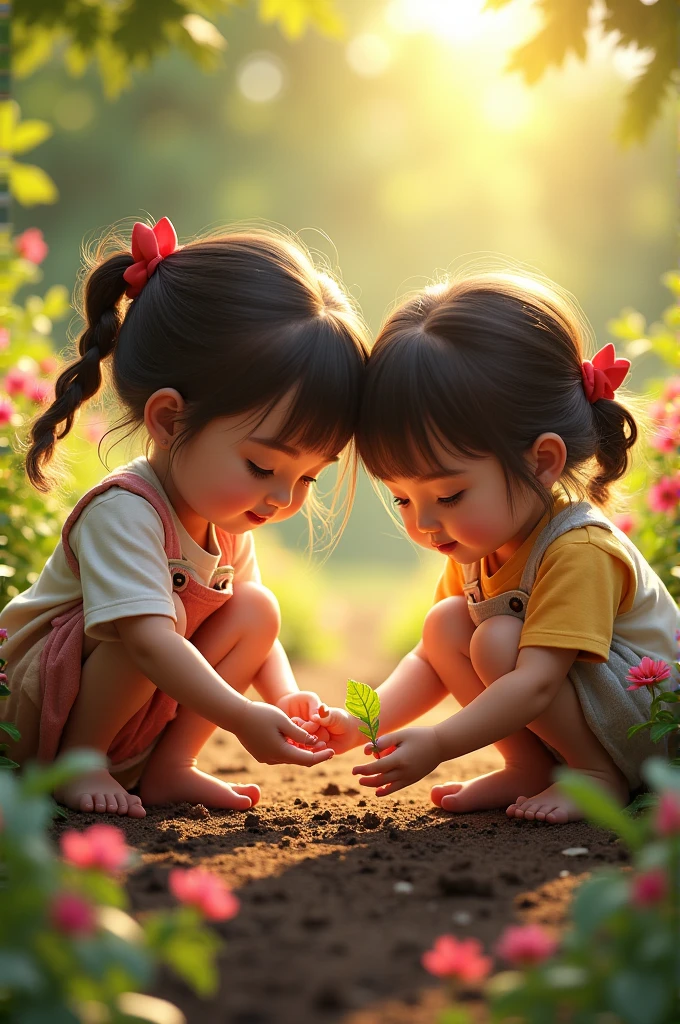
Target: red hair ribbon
149, 247
604, 374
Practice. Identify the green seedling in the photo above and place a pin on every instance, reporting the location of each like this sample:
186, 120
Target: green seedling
364, 703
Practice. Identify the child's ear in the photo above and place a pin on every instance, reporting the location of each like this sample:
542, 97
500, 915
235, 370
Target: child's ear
547, 457
160, 414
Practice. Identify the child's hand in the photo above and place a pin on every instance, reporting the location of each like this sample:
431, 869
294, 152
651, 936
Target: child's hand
416, 753
265, 731
300, 704
337, 727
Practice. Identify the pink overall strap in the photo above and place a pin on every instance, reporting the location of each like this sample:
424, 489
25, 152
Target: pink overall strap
129, 482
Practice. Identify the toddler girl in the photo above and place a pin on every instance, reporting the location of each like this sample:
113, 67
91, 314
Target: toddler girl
485, 421
242, 365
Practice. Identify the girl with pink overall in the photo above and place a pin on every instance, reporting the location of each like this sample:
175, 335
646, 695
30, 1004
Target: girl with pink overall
242, 364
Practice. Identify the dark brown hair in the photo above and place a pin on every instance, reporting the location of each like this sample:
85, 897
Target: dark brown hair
485, 365
234, 323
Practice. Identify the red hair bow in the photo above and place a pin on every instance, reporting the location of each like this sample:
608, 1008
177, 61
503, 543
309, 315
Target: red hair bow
604, 374
149, 247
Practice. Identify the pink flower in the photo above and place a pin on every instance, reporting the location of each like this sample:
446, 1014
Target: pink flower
664, 495
671, 389
525, 945
668, 814
31, 245
16, 381
48, 365
71, 914
657, 411
649, 888
94, 429
647, 673
6, 411
38, 390
454, 958
205, 891
3, 635
100, 846
4, 338
625, 521
665, 440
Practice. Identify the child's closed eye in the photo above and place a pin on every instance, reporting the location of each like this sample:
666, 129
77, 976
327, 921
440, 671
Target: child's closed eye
258, 471
453, 499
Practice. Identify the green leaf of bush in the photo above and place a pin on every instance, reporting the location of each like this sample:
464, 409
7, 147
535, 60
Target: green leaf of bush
11, 730
598, 807
364, 703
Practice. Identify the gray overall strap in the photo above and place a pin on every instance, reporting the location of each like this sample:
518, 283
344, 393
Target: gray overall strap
573, 517
514, 602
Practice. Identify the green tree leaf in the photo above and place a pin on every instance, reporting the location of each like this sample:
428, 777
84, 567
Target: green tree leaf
11, 730
29, 134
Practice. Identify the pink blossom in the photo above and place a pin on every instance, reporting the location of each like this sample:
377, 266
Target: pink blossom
3, 635
100, 846
647, 673
6, 411
625, 521
671, 389
39, 390
31, 245
94, 430
665, 440
48, 365
4, 338
664, 495
205, 891
668, 814
454, 958
72, 915
657, 411
525, 945
16, 381
649, 888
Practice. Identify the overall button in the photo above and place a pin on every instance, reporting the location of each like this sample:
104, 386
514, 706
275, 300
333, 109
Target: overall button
516, 605
179, 580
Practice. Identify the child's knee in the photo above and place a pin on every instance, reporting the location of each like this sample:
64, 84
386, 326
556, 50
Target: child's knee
447, 624
494, 647
260, 609
181, 624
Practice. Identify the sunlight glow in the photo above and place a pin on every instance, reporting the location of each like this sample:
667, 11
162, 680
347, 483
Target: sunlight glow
456, 20
260, 78
368, 55
507, 103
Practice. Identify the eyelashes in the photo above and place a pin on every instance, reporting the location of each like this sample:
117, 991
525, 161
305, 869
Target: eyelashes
452, 500
262, 474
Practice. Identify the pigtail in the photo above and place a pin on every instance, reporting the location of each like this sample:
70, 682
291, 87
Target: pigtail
617, 432
81, 380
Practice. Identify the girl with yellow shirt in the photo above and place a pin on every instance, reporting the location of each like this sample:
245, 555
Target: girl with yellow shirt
490, 428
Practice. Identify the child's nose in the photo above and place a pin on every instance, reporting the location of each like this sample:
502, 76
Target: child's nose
281, 497
427, 521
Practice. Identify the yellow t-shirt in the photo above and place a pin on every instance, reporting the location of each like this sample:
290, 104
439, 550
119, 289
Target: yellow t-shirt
586, 579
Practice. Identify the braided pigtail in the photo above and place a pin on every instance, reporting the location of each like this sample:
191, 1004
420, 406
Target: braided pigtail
81, 380
616, 434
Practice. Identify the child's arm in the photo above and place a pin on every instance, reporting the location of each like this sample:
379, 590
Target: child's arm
411, 690
177, 668
509, 704
276, 684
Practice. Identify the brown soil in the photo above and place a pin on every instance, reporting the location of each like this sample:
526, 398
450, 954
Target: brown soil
324, 934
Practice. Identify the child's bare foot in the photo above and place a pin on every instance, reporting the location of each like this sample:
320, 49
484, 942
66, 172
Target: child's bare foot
554, 806
487, 792
98, 791
185, 782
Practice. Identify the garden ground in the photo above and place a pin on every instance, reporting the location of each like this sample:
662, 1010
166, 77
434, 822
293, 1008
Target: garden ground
341, 892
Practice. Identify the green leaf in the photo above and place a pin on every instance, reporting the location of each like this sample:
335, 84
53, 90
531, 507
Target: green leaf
635, 729
4, 690
661, 729
639, 997
30, 185
597, 899
11, 730
43, 779
660, 775
364, 703
598, 807
7, 762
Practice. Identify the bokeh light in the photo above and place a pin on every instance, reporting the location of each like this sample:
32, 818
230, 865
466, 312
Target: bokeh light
261, 78
368, 55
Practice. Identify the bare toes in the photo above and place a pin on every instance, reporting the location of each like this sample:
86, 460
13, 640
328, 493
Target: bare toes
122, 803
99, 803
557, 817
136, 808
86, 803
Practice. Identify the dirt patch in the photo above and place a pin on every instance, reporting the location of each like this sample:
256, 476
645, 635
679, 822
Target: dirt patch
342, 892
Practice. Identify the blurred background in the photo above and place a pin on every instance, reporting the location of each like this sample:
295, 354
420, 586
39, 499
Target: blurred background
394, 140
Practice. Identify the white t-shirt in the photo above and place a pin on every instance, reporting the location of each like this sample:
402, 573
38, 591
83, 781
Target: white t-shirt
118, 542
